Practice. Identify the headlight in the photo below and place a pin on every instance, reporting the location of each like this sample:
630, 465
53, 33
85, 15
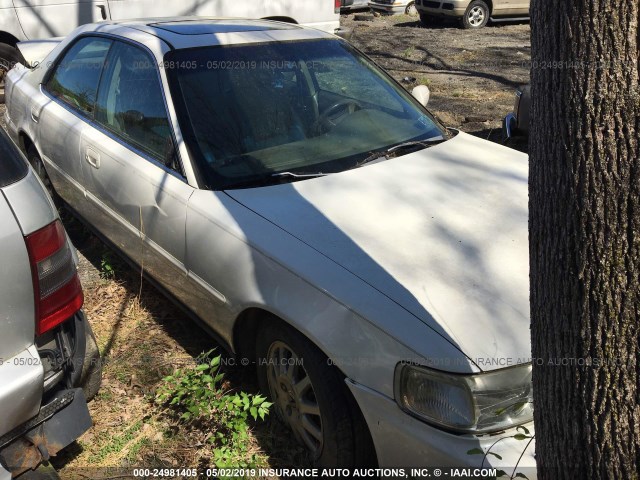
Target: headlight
481, 403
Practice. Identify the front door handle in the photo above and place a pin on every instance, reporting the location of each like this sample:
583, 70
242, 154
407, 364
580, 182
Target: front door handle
92, 158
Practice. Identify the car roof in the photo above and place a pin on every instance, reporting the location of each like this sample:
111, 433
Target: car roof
188, 32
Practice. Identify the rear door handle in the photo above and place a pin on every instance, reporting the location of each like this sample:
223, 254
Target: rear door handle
35, 114
92, 158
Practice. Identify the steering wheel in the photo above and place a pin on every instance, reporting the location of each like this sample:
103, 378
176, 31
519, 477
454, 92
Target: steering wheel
332, 115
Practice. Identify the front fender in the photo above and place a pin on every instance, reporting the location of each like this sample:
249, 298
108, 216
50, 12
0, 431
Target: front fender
243, 261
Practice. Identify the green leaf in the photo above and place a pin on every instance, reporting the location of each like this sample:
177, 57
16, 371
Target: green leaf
254, 412
521, 475
495, 455
524, 429
501, 473
520, 436
475, 451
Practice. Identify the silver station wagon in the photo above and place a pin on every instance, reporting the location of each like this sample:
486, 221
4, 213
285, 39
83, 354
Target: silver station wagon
313, 215
49, 360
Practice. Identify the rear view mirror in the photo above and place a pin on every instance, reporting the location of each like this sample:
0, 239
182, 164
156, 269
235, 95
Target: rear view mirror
422, 94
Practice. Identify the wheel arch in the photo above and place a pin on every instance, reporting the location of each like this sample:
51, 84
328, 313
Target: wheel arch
8, 39
245, 334
490, 5
25, 141
247, 326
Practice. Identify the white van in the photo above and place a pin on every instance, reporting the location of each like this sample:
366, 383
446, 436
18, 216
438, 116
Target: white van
36, 19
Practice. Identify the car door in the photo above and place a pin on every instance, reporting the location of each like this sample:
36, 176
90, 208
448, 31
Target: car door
55, 18
511, 7
70, 91
520, 7
133, 179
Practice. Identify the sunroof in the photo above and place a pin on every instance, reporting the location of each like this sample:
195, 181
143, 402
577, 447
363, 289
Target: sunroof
221, 26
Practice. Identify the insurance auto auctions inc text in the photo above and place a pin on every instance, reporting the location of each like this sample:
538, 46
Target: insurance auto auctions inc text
480, 473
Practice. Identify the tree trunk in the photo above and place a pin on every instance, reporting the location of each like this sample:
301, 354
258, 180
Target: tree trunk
584, 230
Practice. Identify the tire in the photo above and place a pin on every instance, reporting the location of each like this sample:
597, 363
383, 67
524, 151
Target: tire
411, 10
477, 15
90, 377
9, 56
341, 439
38, 166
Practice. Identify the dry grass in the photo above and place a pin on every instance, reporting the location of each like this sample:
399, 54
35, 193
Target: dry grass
143, 337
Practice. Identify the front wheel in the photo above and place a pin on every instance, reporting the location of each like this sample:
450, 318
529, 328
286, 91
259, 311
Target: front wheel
477, 15
309, 395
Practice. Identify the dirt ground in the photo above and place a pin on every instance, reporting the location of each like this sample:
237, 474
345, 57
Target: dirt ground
472, 76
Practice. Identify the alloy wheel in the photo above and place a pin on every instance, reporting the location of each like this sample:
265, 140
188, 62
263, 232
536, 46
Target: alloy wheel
476, 16
293, 395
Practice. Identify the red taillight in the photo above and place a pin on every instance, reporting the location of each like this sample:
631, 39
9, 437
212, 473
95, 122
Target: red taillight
336, 6
56, 285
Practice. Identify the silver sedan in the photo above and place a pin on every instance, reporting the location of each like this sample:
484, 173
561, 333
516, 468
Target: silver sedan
312, 214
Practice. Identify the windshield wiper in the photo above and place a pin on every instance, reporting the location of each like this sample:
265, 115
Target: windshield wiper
266, 180
299, 175
396, 149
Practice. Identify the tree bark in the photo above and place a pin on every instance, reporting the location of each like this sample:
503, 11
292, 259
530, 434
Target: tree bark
584, 228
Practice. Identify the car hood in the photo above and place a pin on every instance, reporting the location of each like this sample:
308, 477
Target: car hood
442, 232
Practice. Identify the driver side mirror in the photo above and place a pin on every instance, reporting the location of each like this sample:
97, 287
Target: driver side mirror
422, 94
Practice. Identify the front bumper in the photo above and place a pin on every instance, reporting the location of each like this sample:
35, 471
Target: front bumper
58, 424
402, 441
446, 8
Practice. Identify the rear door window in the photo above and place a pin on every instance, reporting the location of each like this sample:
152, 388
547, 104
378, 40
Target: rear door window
131, 103
76, 77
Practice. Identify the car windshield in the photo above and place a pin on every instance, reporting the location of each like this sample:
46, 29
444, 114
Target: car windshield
267, 113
